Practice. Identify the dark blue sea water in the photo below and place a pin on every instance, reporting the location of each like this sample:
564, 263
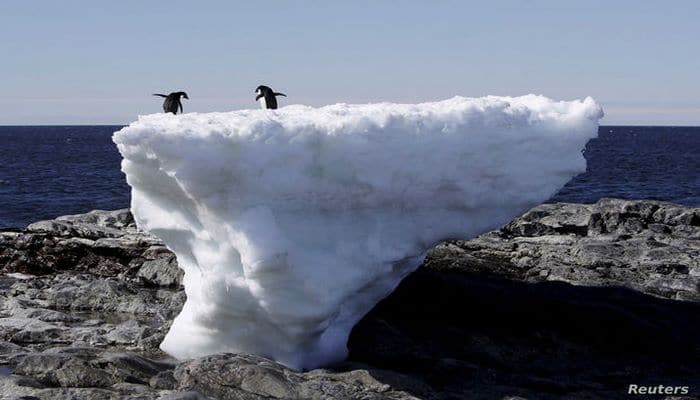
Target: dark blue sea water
47, 171
639, 162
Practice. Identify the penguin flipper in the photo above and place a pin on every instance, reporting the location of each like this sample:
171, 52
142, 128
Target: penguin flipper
158, 94
280, 94
180, 104
258, 97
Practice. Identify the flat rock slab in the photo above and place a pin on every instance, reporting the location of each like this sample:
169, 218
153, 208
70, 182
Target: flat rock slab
649, 246
105, 243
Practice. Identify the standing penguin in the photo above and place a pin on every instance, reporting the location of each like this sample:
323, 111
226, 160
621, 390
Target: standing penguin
172, 101
266, 96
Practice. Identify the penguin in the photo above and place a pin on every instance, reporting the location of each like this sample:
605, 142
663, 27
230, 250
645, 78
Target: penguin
266, 96
172, 101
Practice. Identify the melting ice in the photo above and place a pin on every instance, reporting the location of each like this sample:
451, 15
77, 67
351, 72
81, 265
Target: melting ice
292, 224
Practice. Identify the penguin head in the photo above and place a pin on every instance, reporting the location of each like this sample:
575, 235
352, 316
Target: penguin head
262, 89
183, 94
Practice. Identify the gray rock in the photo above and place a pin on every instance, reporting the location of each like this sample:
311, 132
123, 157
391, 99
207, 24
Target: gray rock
133, 389
44, 315
27, 330
103, 313
161, 272
163, 380
131, 367
9, 348
188, 395
117, 219
566, 301
235, 377
649, 246
42, 367
104, 243
238, 376
89, 293
75, 372
84, 367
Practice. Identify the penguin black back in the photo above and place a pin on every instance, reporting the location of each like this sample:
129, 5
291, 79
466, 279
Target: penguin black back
172, 101
267, 97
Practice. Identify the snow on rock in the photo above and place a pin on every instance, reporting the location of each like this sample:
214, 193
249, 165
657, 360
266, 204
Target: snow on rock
292, 224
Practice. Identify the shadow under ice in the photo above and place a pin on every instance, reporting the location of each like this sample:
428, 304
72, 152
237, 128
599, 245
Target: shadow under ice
468, 335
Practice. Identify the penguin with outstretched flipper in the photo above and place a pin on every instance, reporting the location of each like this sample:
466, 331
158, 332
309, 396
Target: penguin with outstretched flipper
172, 101
267, 97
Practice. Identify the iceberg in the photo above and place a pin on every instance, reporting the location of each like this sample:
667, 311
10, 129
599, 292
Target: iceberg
292, 224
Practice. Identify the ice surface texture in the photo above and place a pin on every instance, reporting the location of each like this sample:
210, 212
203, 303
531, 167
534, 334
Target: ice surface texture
292, 224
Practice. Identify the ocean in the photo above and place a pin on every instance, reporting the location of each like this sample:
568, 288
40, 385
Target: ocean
47, 171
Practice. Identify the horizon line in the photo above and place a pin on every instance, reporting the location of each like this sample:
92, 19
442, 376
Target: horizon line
121, 124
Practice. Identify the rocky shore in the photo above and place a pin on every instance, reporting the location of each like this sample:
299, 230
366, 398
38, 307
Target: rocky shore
573, 301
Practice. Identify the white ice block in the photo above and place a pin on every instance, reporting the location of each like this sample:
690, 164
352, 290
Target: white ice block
292, 224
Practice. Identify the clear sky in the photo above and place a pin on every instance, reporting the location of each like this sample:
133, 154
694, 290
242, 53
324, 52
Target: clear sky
97, 62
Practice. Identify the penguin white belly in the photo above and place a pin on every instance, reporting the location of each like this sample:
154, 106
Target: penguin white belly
263, 103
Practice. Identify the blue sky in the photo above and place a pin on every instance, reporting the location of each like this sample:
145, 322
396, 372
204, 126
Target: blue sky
92, 62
